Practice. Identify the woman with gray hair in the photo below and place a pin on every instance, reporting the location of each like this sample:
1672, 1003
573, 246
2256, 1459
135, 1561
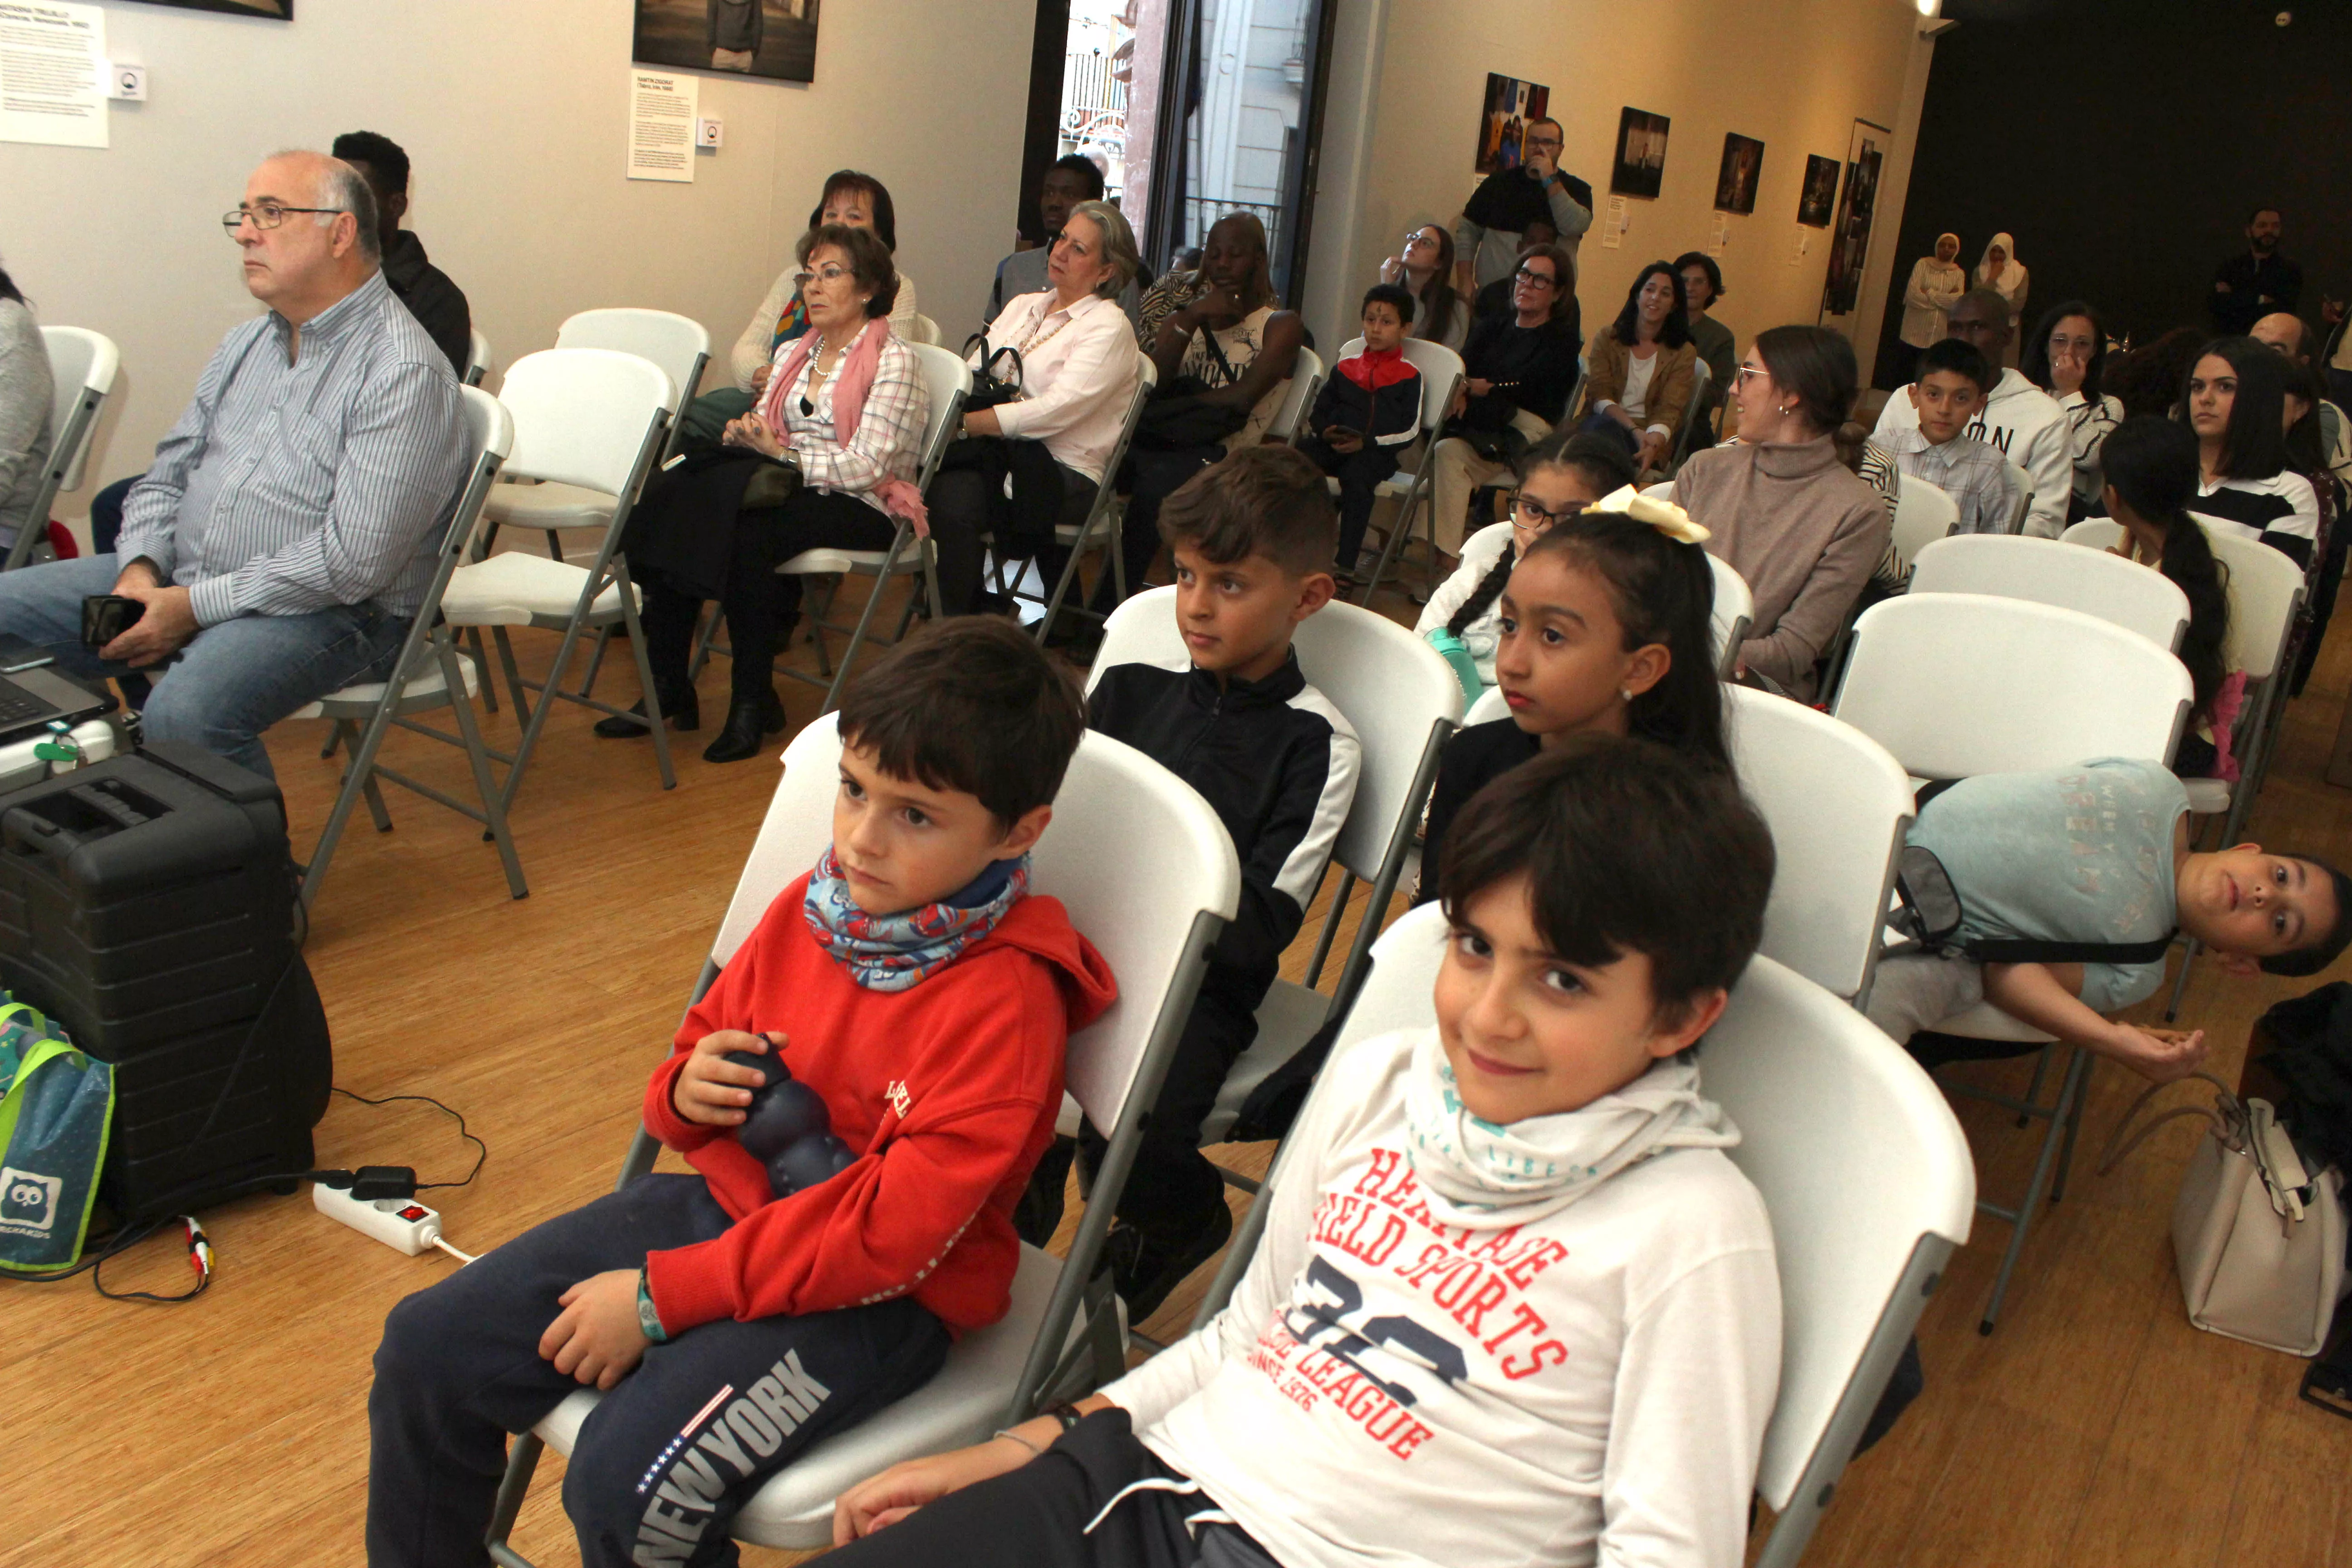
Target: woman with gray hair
1078, 370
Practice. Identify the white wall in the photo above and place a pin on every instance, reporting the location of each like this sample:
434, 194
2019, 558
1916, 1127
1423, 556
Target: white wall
514, 114
1794, 74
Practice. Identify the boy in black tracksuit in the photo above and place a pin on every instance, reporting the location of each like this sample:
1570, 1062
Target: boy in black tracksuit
1252, 538
1366, 414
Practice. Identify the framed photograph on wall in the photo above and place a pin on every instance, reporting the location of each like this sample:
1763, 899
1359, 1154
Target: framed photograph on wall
771, 38
274, 10
1512, 106
1743, 165
1820, 193
1857, 205
1640, 165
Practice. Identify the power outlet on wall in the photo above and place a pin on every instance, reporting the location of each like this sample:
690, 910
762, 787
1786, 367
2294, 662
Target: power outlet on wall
126, 81
709, 132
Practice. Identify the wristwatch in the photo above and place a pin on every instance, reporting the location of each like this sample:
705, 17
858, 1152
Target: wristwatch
1066, 1414
649, 1322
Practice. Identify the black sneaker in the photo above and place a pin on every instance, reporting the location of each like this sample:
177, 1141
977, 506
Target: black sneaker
1144, 1273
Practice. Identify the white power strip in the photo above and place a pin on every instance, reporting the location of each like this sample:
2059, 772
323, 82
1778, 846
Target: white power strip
401, 1223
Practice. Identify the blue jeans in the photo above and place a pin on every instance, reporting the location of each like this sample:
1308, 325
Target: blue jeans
230, 682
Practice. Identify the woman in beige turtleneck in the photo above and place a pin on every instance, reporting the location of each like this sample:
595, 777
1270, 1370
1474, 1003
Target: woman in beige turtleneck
1783, 511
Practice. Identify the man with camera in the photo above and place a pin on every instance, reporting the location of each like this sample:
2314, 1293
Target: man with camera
1486, 240
277, 549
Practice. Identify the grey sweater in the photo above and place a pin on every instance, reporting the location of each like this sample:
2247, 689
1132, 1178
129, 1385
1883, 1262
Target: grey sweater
25, 391
1803, 532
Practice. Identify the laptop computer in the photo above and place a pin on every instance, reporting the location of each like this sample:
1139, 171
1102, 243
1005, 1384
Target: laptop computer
33, 695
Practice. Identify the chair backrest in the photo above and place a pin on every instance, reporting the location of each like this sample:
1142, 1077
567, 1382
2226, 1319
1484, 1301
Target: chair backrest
1299, 395
1441, 372
1958, 684
949, 380
925, 331
478, 358
1735, 612
1490, 707
2048, 571
1121, 821
2264, 588
2024, 483
1856, 1153
82, 366
585, 417
675, 342
489, 441
1837, 805
1382, 679
1924, 513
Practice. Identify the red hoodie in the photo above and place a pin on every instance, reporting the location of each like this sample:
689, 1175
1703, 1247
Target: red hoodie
949, 1089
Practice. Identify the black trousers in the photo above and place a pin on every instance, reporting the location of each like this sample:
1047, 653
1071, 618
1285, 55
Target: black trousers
1174, 1189
1156, 476
959, 504
1359, 473
1036, 1516
668, 1457
760, 606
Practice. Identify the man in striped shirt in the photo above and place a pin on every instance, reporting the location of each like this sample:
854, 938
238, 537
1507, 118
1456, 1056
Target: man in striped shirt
284, 535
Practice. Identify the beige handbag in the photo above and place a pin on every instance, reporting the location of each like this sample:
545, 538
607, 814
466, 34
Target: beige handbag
2258, 1239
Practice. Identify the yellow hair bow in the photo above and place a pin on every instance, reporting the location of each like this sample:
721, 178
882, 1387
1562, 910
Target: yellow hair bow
1663, 515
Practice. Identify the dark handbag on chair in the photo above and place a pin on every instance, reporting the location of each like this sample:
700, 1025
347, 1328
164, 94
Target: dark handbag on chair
998, 378
1181, 416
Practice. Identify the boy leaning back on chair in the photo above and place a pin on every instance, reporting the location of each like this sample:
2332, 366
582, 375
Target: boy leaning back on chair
1252, 539
2096, 853
912, 984
1514, 1303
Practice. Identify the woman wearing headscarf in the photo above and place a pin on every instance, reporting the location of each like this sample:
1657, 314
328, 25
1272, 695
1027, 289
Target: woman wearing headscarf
1936, 283
2001, 271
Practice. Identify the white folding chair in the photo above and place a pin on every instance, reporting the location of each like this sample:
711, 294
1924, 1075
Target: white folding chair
947, 380
1297, 396
2022, 482
1734, 613
1100, 527
2049, 572
2265, 591
1120, 822
1924, 513
1694, 415
82, 366
1865, 1172
594, 419
1837, 805
478, 358
430, 673
1441, 374
1404, 703
678, 347
1958, 684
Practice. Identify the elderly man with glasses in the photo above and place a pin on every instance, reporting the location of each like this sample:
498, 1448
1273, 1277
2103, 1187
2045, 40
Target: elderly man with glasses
279, 543
1486, 240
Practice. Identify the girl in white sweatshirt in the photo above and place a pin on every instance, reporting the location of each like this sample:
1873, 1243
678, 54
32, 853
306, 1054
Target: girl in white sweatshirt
1514, 1305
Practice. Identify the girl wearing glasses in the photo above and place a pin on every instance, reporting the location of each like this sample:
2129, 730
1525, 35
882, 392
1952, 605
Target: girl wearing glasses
1463, 618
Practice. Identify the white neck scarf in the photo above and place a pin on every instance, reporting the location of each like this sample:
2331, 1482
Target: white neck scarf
1497, 1175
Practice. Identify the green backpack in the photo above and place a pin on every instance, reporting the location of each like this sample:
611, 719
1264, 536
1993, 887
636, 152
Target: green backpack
56, 1105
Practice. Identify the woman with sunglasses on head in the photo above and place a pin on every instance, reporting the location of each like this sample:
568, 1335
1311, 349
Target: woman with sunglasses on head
1518, 373
1462, 619
1642, 376
1424, 264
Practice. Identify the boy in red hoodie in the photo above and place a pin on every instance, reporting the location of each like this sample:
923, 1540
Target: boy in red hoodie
914, 986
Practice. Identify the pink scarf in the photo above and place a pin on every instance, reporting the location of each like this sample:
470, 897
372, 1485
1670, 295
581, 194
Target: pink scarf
852, 381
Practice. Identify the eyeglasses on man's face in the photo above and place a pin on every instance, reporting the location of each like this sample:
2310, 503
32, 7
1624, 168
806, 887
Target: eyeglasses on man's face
266, 214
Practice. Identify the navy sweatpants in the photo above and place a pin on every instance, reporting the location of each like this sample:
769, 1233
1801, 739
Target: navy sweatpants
670, 1454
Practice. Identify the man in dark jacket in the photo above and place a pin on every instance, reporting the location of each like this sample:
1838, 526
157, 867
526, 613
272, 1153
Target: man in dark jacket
2249, 286
438, 304
1486, 240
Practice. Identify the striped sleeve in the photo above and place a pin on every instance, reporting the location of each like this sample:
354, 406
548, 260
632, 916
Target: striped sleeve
1317, 788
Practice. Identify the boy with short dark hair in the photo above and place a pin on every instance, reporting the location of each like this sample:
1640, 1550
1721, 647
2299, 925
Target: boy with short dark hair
1252, 541
2096, 853
1368, 412
1954, 381
912, 984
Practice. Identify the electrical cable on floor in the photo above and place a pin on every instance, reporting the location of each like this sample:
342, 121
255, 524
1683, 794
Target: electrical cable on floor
460, 1256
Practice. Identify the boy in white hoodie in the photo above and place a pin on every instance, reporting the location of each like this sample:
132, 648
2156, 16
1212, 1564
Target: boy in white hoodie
1513, 1304
2019, 420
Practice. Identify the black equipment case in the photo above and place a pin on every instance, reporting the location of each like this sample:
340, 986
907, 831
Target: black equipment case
147, 906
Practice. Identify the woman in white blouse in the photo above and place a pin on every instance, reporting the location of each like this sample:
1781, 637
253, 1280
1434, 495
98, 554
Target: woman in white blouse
1078, 370
1936, 283
844, 407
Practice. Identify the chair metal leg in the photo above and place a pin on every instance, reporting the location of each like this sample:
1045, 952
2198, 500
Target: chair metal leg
513, 674
482, 663
1070, 572
595, 661
485, 784
1330, 925
865, 620
645, 672
522, 1459
2073, 1129
2180, 981
2033, 1092
2021, 1218
361, 773
537, 712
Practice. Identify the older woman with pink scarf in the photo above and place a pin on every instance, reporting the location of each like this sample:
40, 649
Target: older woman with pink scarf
844, 411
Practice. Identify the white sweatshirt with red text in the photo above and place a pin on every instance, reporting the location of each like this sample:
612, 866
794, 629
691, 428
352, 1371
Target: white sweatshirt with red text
1387, 1387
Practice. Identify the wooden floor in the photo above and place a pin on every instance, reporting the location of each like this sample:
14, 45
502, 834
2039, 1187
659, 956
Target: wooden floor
2094, 1427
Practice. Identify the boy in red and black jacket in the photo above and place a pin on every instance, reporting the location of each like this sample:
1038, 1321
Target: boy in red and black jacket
1366, 415
912, 984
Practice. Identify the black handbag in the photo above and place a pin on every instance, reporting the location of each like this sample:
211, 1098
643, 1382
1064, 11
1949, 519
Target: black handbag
995, 381
1181, 416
